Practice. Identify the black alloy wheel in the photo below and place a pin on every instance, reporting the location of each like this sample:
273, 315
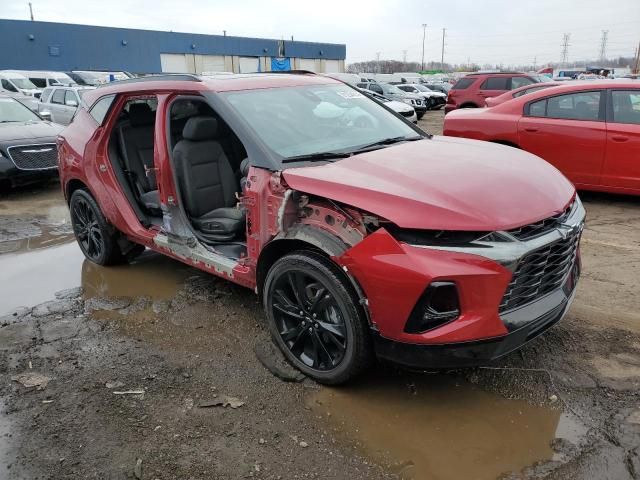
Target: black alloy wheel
87, 230
97, 239
314, 319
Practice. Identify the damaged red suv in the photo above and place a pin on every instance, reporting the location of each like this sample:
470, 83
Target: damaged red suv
363, 235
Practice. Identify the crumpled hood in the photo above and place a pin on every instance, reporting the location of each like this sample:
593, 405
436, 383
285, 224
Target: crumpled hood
443, 183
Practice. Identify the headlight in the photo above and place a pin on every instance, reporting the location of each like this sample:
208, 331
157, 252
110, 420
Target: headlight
439, 238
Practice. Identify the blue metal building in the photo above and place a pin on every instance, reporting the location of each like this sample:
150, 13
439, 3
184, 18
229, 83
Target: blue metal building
31, 45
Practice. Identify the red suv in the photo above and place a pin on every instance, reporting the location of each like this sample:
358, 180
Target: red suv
361, 234
472, 90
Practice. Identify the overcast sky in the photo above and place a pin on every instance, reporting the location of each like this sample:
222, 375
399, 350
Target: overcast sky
484, 31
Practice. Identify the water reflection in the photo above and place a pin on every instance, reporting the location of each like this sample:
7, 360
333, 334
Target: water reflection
437, 427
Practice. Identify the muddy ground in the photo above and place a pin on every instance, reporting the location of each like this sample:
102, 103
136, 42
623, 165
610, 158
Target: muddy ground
128, 367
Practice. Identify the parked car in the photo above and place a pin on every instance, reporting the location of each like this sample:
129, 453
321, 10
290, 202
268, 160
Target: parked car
402, 108
94, 78
26, 100
14, 82
472, 90
518, 92
433, 100
60, 103
590, 131
360, 238
442, 87
394, 93
47, 79
28, 149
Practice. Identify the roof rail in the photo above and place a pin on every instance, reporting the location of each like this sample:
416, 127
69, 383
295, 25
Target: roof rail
295, 72
185, 77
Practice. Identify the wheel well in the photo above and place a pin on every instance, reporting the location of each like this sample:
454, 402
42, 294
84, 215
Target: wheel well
275, 250
72, 186
506, 142
469, 105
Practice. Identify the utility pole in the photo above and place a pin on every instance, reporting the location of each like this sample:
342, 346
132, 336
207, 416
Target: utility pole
31, 11
444, 32
404, 56
636, 69
565, 48
535, 63
603, 46
378, 62
424, 36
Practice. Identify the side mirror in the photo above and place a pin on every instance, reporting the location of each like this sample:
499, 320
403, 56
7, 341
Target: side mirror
46, 115
71, 103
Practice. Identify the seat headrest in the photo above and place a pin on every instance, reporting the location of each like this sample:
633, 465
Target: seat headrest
141, 114
200, 128
244, 167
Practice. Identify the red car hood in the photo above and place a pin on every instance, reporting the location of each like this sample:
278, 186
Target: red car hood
443, 183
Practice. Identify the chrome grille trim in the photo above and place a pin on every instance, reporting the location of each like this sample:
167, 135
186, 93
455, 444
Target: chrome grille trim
40, 156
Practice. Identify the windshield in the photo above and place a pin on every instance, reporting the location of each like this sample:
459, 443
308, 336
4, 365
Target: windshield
13, 111
306, 120
422, 88
391, 89
22, 83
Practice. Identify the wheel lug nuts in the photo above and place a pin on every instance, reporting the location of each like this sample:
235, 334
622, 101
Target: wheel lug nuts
314, 315
310, 329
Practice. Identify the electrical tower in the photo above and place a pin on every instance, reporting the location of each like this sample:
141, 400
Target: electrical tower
565, 48
603, 45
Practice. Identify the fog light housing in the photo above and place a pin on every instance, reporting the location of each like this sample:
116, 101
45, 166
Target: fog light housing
439, 304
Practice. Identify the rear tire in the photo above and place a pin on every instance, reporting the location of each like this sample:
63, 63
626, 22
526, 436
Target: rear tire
96, 238
314, 318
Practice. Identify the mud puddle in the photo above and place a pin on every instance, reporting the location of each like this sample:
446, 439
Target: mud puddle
35, 276
440, 427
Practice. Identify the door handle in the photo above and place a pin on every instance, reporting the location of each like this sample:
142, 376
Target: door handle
619, 138
530, 129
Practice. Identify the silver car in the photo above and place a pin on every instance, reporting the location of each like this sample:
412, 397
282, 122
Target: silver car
60, 103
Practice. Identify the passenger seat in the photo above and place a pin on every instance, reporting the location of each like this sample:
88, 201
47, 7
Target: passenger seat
136, 144
208, 184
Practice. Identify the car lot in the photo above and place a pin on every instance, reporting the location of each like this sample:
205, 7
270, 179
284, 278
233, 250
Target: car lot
565, 407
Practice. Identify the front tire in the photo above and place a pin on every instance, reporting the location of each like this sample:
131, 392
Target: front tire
96, 238
315, 319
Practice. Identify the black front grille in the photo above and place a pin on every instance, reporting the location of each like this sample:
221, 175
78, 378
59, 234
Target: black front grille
540, 228
408, 113
541, 272
34, 157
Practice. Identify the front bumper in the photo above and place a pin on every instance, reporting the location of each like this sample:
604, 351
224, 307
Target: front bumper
393, 276
534, 320
9, 172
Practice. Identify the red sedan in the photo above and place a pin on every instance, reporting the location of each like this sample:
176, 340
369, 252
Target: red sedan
590, 131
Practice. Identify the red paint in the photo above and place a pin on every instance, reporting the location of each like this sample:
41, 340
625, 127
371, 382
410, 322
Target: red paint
439, 183
515, 93
475, 95
595, 155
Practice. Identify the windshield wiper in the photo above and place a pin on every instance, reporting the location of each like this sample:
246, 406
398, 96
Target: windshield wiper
316, 157
388, 141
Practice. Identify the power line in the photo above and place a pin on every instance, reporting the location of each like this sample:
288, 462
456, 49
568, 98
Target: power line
565, 48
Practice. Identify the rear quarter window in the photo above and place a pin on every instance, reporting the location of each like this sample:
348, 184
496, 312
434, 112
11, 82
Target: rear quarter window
101, 108
496, 83
463, 83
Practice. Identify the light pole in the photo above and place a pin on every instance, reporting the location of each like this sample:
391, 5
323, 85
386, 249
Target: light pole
424, 35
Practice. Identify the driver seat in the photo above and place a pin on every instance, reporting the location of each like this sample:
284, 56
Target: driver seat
207, 181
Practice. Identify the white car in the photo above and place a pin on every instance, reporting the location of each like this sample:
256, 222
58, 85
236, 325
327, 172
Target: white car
434, 100
14, 82
59, 104
402, 108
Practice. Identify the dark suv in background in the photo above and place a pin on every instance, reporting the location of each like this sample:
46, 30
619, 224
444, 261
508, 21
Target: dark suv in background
472, 90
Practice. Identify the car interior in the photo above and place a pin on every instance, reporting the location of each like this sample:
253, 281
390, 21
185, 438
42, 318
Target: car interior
209, 162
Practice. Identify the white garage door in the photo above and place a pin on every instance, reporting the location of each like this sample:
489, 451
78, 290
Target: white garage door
307, 64
332, 66
177, 63
249, 64
210, 63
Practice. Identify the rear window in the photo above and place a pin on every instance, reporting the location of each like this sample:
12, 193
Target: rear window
464, 83
496, 83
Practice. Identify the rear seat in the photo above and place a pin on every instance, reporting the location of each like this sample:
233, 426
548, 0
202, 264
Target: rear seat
136, 143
